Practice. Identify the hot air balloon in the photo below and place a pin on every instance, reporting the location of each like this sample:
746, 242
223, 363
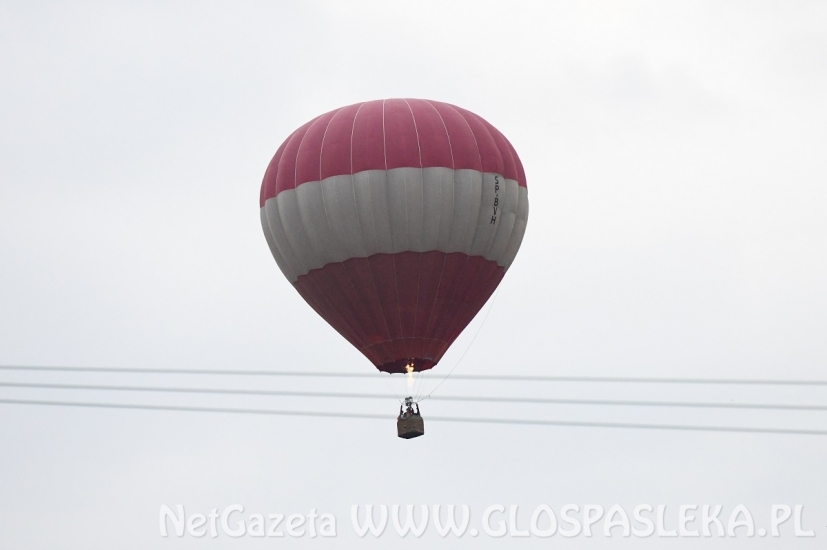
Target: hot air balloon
395, 220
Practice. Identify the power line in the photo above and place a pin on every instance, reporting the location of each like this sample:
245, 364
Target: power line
479, 377
193, 371
478, 399
322, 414
626, 403
220, 391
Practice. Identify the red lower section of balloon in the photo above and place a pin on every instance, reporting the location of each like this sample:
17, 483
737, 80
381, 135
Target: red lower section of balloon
401, 309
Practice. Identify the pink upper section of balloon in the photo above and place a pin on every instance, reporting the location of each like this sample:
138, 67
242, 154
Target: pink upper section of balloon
385, 134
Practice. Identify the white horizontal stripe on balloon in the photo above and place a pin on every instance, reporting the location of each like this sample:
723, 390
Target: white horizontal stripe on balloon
392, 211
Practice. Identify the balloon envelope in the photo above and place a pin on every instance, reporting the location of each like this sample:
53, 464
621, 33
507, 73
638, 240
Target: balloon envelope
395, 220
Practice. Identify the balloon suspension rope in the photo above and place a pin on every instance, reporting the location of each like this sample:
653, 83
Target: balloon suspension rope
479, 329
391, 388
420, 383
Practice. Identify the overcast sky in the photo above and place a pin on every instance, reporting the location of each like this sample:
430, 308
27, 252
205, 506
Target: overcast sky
675, 157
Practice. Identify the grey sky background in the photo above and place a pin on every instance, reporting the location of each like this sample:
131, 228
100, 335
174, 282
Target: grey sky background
678, 185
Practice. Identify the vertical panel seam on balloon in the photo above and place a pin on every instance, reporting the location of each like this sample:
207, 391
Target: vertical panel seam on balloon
305, 268
513, 235
375, 232
279, 153
335, 242
453, 209
406, 235
353, 182
296, 184
333, 310
458, 313
521, 168
482, 182
388, 208
275, 194
286, 244
422, 178
519, 163
333, 233
499, 225
453, 293
359, 221
393, 256
482, 186
266, 220
458, 111
263, 206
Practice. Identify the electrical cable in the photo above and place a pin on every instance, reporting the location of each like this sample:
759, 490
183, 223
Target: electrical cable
559, 423
477, 399
471, 377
